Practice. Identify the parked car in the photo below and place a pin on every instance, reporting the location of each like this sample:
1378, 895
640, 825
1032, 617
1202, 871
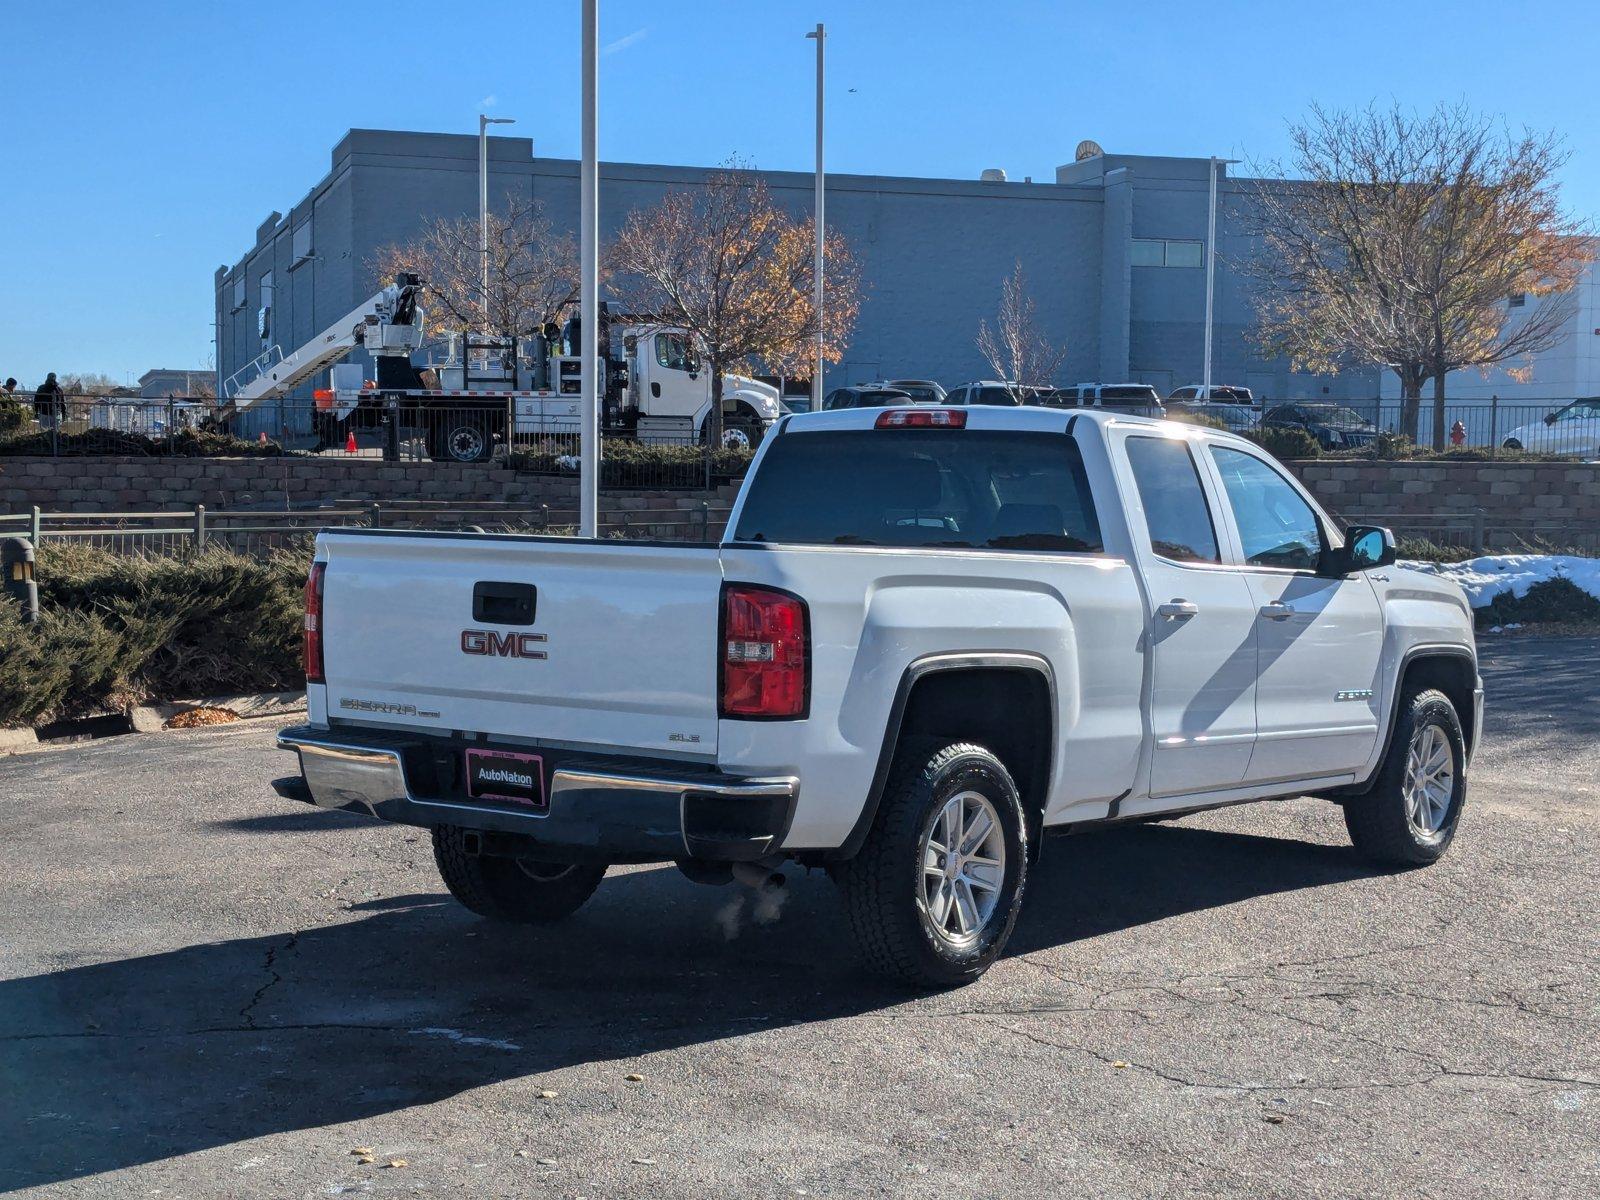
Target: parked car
1233, 406
1334, 426
1571, 429
930, 635
1138, 398
866, 395
988, 391
923, 391
1218, 393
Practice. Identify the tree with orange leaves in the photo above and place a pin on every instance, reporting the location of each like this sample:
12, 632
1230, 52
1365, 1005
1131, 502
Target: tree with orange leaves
723, 261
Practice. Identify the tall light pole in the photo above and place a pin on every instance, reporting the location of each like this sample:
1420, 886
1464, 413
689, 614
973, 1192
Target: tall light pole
821, 36
483, 200
1211, 263
589, 281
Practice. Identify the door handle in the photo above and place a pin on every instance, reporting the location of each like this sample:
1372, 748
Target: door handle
1178, 610
1277, 611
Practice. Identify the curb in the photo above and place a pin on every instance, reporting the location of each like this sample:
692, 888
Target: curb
149, 718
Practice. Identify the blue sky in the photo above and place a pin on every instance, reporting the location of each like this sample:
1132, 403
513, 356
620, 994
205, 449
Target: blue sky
142, 143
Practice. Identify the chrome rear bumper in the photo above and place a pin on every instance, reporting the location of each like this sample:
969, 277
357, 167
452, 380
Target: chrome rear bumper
660, 811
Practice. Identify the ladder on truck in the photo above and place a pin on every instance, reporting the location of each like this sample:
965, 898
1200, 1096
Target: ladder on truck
388, 322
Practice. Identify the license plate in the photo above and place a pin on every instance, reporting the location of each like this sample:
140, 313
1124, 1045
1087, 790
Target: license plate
501, 775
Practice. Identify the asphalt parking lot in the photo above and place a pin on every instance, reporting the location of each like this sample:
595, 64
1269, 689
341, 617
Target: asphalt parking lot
205, 991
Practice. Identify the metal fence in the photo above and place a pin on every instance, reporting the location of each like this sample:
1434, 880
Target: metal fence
1569, 428
515, 433
1473, 534
187, 530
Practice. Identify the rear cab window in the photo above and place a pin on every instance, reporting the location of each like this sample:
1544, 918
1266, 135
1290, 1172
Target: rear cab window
932, 489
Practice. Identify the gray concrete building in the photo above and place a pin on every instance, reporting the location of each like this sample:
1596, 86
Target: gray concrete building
1113, 248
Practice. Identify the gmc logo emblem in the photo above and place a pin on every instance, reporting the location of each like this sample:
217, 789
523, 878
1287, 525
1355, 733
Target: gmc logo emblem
487, 643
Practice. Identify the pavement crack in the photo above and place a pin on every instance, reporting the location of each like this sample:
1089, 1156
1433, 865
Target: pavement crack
247, 1013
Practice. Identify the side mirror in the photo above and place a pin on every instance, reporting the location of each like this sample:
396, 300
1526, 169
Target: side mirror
1365, 547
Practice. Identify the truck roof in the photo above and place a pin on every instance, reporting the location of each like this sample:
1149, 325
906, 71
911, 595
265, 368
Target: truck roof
1045, 420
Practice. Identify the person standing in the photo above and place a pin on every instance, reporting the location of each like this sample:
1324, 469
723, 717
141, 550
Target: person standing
47, 403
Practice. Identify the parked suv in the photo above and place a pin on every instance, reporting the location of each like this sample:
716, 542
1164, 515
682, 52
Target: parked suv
923, 391
1139, 398
1235, 407
988, 391
866, 395
1334, 426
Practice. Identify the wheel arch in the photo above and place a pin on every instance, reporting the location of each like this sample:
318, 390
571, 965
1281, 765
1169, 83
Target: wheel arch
1453, 670
1004, 700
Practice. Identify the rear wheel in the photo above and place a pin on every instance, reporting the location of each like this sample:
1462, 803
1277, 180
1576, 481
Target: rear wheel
1410, 816
935, 891
521, 890
463, 439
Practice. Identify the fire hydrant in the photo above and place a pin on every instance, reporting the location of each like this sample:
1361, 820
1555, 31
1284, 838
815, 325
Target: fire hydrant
1458, 434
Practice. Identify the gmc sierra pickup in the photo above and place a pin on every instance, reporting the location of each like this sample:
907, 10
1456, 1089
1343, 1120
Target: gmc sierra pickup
929, 636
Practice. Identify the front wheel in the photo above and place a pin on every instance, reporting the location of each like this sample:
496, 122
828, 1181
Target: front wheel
935, 891
521, 890
1409, 817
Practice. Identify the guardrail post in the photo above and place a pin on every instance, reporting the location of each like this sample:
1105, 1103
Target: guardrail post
35, 525
705, 521
16, 567
375, 513
544, 518
199, 526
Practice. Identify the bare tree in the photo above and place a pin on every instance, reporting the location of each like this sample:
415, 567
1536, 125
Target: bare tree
1404, 243
1016, 348
533, 272
727, 264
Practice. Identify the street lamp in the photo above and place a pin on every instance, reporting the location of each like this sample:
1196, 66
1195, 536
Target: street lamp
483, 200
589, 280
821, 35
1211, 263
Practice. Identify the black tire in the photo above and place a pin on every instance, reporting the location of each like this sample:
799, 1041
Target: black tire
1379, 824
742, 432
463, 439
512, 889
1511, 444
882, 885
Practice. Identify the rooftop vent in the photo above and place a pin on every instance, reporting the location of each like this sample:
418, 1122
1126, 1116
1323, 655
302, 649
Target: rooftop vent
993, 175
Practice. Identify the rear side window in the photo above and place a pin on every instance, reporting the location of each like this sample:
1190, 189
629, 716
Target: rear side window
1174, 502
953, 489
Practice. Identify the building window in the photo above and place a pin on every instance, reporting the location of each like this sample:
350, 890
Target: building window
1160, 252
1516, 299
239, 297
302, 243
1149, 253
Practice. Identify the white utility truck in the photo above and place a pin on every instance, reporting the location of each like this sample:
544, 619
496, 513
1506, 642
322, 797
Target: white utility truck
489, 388
929, 636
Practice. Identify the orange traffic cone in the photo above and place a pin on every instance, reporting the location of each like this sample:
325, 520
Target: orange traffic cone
350, 443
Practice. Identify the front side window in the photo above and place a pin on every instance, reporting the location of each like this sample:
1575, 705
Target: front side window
1276, 525
674, 351
1174, 501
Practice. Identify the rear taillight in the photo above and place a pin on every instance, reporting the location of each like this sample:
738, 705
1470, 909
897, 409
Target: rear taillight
314, 623
922, 418
765, 660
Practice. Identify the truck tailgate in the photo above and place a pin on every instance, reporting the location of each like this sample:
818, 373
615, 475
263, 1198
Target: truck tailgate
620, 650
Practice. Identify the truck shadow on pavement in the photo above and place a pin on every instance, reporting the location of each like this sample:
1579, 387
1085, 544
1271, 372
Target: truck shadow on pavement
113, 1064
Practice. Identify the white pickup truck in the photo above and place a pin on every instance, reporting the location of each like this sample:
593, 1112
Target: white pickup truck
929, 636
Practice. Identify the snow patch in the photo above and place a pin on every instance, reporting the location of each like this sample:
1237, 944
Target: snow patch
1492, 575
455, 1035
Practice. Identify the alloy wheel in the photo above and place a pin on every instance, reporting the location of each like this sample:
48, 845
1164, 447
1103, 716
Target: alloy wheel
1430, 781
963, 867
